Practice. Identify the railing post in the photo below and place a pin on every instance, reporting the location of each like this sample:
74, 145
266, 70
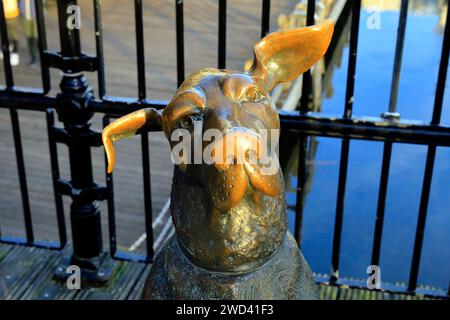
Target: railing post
73, 113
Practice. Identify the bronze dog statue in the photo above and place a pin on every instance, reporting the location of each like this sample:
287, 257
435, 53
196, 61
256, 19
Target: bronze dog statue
231, 239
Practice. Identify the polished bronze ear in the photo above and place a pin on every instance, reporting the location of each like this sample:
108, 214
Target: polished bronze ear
284, 55
134, 123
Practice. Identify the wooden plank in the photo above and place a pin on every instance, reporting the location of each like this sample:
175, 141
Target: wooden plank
20, 268
123, 281
328, 292
135, 294
346, 293
46, 287
4, 250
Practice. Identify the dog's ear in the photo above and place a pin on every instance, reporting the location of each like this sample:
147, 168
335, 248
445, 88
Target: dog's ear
140, 121
284, 55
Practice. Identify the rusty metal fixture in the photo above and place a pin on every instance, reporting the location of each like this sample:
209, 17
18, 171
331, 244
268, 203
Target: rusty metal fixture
230, 220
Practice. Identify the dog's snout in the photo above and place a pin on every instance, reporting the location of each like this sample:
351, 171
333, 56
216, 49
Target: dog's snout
235, 146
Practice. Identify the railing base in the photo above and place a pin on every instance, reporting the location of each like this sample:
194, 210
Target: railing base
97, 270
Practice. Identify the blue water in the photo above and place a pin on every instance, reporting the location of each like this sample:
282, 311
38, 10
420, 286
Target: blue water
416, 97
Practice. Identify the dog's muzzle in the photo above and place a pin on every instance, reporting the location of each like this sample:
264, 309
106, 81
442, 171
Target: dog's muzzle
241, 160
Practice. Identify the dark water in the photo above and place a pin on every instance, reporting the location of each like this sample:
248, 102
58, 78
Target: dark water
422, 51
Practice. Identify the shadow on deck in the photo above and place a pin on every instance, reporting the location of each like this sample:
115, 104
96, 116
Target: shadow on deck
27, 273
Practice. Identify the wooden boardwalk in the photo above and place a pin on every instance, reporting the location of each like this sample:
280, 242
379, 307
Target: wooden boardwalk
27, 273
243, 29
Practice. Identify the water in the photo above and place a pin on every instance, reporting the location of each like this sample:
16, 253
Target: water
422, 52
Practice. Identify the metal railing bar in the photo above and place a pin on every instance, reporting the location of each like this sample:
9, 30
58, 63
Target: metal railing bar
22, 175
5, 49
69, 38
55, 177
422, 217
42, 45
340, 201
387, 151
265, 18
440, 88
382, 192
351, 72
311, 10
120, 106
131, 256
147, 196
398, 56
180, 41
301, 181
316, 124
50, 245
110, 203
140, 55
99, 48
72, 64
307, 79
222, 34
371, 129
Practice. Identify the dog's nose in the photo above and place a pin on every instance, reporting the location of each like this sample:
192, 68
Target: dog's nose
236, 146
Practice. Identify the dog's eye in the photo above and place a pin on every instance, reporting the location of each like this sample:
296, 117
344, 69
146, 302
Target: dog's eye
187, 122
253, 94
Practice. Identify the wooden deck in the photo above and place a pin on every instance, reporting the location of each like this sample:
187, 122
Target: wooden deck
27, 273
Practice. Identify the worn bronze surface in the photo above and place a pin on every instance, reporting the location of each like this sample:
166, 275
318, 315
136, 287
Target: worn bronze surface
229, 217
285, 276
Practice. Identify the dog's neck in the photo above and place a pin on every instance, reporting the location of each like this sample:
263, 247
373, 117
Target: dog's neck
237, 241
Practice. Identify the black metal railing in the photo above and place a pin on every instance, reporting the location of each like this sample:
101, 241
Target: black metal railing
76, 104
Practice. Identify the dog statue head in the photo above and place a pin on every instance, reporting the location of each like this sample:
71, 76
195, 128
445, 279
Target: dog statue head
228, 210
